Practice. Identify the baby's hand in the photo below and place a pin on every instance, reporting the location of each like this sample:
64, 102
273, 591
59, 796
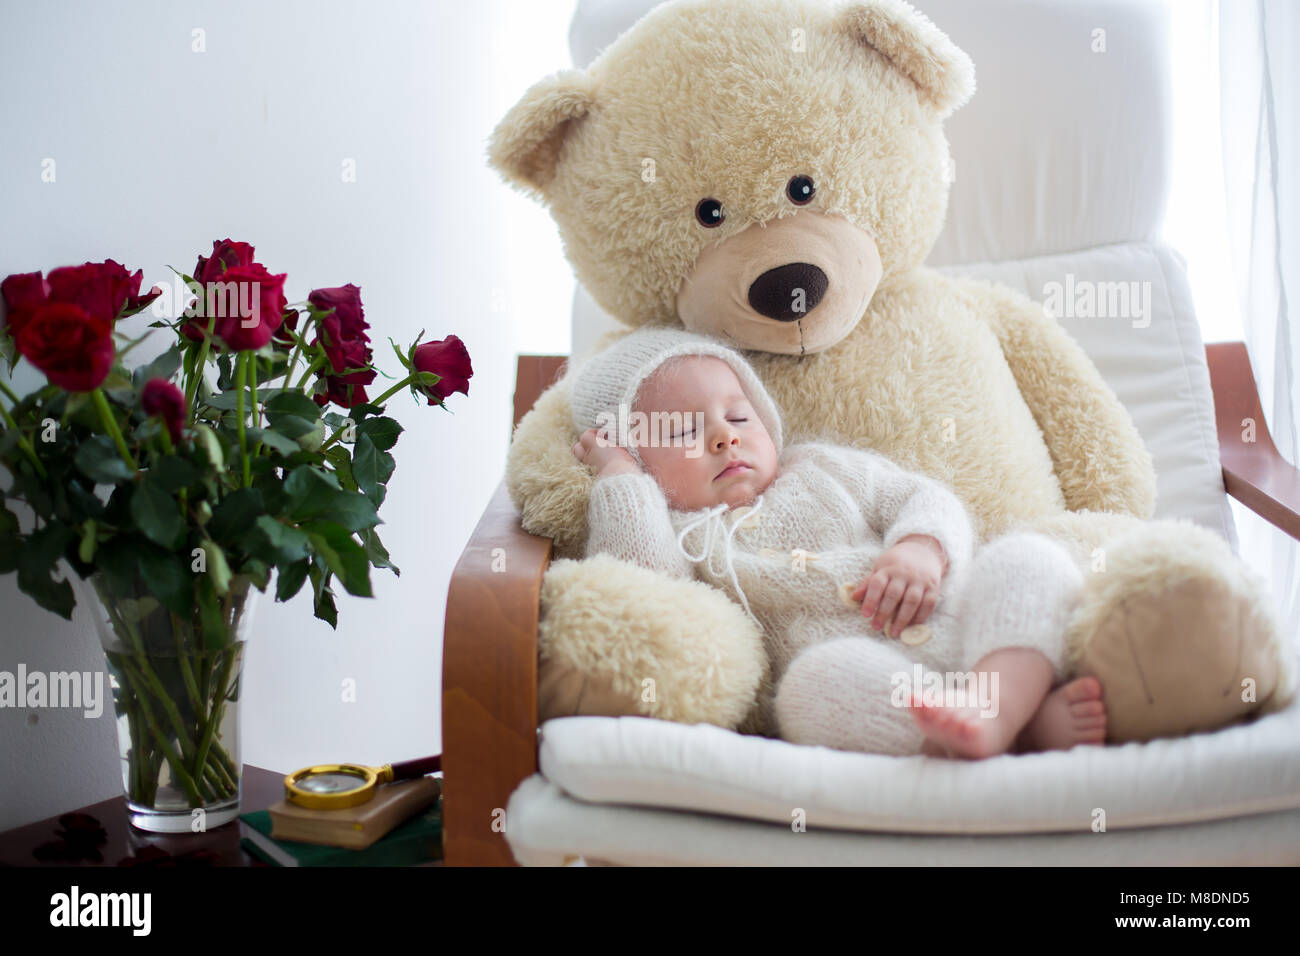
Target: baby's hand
594, 449
906, 577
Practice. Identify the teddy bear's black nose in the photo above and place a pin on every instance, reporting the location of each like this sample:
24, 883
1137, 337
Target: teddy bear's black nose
777, 292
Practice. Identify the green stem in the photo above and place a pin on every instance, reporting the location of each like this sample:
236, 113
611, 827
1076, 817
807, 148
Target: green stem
10, 392
378, 401
396, 388
183, 778
252, 391
311, 369
200, 368
293, 359
23, 443
110, 425
241, 378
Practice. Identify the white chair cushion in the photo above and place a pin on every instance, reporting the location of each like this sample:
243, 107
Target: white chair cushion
547, 827
1155, 362
1248, 769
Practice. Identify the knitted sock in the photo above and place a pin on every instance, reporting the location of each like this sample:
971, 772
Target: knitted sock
840, 694
1020, 591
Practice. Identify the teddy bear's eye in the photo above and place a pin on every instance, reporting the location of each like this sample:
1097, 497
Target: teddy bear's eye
709, 213
800, 189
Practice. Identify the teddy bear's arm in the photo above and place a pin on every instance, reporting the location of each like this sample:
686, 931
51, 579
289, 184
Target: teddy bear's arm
546, 483
1098, 455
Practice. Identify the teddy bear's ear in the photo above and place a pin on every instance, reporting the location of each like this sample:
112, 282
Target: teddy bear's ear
525, 146
907, 38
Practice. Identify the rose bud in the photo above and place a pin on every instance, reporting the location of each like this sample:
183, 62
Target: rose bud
73, 348
449, 359
160, 397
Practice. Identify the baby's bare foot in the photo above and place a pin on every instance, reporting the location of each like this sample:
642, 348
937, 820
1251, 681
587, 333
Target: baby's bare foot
961, 731
1072, 714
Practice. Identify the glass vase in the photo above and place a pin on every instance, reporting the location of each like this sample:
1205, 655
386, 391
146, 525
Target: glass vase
175, 683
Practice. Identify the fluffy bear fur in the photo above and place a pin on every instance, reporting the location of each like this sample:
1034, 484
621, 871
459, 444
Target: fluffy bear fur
968, 382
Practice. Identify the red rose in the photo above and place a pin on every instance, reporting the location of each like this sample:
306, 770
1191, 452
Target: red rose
22, 294
449, 359
227, 277
72, 347
160, 397
289, 323
225, 255
342, 332
101, 289
345, 303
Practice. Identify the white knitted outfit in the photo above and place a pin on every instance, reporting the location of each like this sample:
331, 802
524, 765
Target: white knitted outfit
793, 556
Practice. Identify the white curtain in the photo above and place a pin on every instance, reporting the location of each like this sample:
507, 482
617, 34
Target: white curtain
1259, 53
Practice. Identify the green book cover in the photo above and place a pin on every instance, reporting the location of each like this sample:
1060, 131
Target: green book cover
418, 840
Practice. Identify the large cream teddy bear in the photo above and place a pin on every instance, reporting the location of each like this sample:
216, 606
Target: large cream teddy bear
774, 173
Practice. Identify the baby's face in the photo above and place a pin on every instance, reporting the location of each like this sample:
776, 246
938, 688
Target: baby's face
718, 449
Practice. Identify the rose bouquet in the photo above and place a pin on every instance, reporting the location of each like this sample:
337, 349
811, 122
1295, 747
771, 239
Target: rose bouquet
173, 493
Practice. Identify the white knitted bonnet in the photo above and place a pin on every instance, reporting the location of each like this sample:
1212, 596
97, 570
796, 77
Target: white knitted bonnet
614, 376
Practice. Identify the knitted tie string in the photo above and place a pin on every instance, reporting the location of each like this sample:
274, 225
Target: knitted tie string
706, 551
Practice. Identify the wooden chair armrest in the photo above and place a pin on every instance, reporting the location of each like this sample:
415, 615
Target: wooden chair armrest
1253, 472
489, 682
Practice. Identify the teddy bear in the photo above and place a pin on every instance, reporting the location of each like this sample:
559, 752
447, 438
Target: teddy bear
773, 173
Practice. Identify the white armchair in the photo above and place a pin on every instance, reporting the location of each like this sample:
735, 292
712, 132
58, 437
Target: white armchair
1062, 163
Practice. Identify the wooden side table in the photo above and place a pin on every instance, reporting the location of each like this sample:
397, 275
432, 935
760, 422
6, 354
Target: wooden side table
259, 789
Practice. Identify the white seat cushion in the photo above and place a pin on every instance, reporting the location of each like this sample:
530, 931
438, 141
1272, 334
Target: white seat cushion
547, 827
1248, 769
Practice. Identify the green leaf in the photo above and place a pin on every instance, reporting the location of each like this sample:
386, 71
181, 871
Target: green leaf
164, 367
218, 568
292, 403
273, 439
98, 460
235, 514
8, 522
11, 547
168, 577
368, 469
342, 555
376, 551
382, 431
322, 596
172, 473
119, 559
284, 544
86, 550
157, 515
207, 439
290, 579
37, 560
308, 487
210, 617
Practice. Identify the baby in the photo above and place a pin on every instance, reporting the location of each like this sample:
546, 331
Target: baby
683, 436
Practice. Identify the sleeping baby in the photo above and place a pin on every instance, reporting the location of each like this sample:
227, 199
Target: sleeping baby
888, 631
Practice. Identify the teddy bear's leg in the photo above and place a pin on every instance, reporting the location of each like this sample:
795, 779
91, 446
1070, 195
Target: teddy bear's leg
617, 639
849, 693
1180, 632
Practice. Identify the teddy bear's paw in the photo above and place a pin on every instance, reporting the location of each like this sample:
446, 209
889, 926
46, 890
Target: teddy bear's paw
617, 639
1180, 633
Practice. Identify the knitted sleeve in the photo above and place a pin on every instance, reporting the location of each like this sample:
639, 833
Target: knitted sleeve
627, 515
897, 503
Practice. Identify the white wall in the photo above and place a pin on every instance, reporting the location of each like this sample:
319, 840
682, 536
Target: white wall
159, 150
